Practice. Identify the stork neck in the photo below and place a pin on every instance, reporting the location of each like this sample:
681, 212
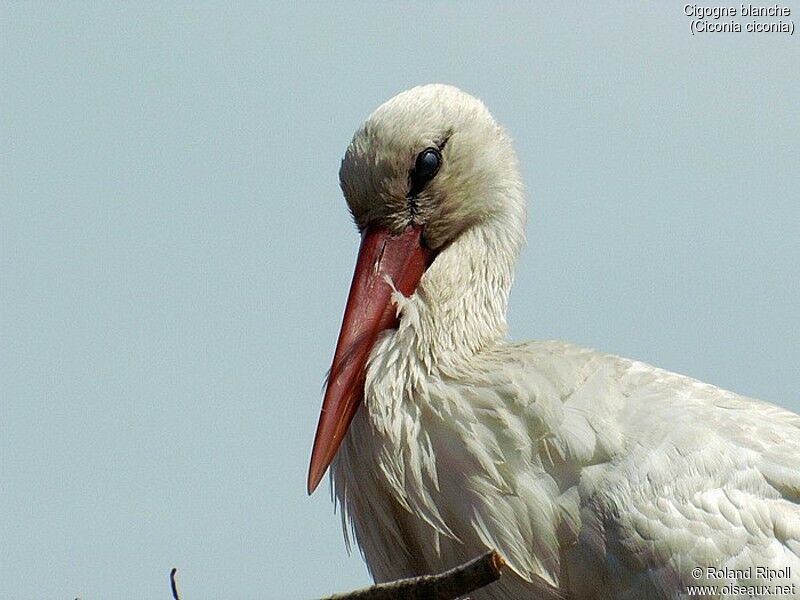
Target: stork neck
460, 305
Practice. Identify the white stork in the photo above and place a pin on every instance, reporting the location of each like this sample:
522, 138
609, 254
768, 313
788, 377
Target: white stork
593, 475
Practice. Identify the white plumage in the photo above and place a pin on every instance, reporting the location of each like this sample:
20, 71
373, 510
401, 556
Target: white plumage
593, 475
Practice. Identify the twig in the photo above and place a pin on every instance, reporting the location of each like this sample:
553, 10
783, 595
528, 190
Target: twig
448, 585
174, 584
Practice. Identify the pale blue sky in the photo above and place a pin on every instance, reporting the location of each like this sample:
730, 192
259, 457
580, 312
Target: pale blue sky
175, 252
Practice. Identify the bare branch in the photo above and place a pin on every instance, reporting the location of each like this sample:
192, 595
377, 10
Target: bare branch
448, 585
174, 584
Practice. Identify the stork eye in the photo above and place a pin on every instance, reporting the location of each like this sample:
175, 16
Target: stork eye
427, 165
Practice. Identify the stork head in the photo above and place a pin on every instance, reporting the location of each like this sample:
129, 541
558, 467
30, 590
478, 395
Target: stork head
428, 177
431, 157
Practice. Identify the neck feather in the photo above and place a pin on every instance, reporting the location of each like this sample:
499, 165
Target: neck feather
460, 305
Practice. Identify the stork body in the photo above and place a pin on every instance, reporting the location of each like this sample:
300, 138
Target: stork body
593, 475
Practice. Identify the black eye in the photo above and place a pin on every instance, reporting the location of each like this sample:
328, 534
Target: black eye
427, 165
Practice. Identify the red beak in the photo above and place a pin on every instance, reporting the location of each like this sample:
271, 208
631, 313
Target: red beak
369, 311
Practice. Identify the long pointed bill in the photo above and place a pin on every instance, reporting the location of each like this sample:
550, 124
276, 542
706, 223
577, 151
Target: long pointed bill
369, 311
